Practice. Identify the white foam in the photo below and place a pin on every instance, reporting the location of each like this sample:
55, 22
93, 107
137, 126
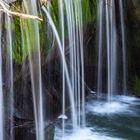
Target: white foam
106, 107
126, 99
63, 117
93, 92
86, 134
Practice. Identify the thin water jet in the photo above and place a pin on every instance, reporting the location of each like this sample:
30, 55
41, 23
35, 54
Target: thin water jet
110, 40
9, 69
1, 88
31, 32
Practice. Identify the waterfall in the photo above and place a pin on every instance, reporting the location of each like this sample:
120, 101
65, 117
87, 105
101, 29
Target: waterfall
72, 70
33, 46
61, 12
75, 35
64, 63
72, 54
110, 37
114, 57
9, 75
100, 49
1, 88
80, 60
6, 108
123, 46
69, 37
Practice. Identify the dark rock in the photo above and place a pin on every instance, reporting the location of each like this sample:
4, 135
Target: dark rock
25, 130
132, 21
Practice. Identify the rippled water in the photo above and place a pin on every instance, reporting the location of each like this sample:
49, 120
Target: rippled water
116, 120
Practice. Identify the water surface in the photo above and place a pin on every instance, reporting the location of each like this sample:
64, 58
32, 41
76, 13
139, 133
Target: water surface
116, 120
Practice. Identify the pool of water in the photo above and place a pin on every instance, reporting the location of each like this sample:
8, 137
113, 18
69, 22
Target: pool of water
116, 120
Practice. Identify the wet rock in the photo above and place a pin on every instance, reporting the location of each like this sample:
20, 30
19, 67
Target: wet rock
132, 22
25, 130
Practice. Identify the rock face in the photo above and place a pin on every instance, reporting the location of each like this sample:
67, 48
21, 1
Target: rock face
132, 20
26, 131
136, 9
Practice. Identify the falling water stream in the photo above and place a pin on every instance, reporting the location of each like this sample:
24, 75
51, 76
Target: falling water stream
61, 7
9, 75
64, 64
121, 5
33, 44
100, 40
75, 76
108, 8
1, 88
75, 34
70, 37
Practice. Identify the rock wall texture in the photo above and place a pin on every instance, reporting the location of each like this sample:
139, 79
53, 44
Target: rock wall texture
132, 21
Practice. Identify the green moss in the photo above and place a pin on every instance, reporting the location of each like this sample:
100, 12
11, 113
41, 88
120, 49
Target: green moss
17, 41
20, 46
89, 10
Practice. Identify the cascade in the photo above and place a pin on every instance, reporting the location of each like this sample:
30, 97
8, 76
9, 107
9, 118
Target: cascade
73, 75
9, 74
108, 7
1, 88
61, 12
69, 36
7, 105
31, 36
123, 46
